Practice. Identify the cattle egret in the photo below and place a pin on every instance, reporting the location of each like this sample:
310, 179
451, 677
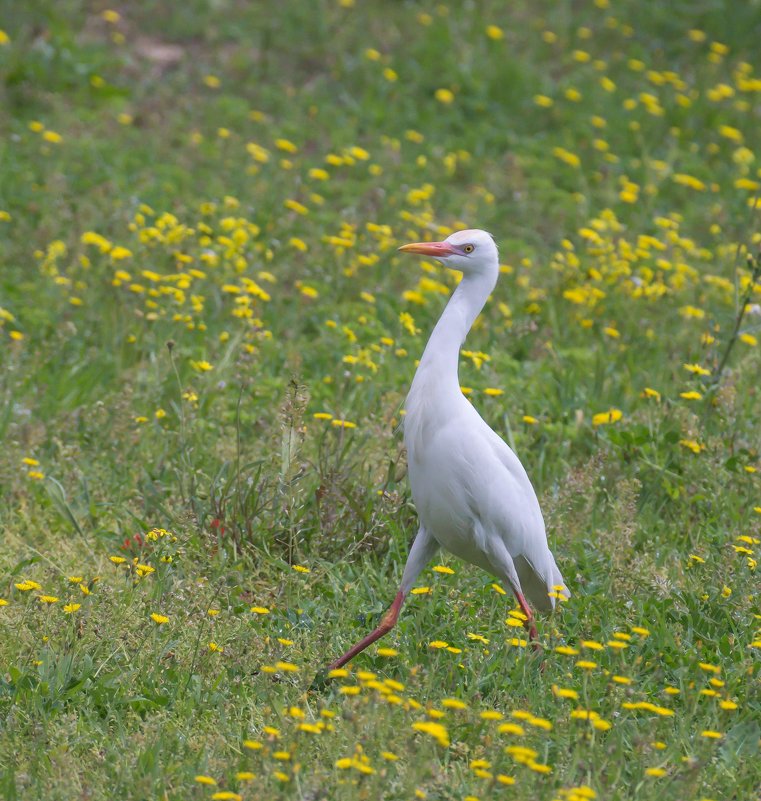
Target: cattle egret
472, 494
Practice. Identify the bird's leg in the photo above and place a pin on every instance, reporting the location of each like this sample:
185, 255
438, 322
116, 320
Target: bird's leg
388, 622
423, 549
529, 621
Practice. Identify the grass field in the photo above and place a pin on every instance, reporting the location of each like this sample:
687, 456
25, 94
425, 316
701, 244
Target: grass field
206, 337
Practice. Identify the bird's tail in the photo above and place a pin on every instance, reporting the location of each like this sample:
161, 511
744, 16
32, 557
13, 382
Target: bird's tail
543, 584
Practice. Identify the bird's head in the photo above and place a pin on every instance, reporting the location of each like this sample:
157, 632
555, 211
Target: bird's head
473, 252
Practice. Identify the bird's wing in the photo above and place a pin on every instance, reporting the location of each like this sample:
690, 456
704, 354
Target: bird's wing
517, 518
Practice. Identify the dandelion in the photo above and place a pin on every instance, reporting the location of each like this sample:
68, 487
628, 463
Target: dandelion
511, 728
692, 445
657, 772
253, 745
206, 780
445, 96
443, 569
605, 418
160, 619
48, 599
69, 609
561, 692
435, 730
259, 610
27, 585
201, 366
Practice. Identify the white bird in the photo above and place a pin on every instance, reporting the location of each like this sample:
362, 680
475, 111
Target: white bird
472, 494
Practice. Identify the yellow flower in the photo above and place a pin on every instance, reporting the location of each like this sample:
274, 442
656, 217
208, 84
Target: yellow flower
206, 780
160, 619
647, 392
260, 610
48, 599
691, 445
27, 585
696, 369
71, 608
118, 253
657, 772
443, 569
388, 652
294, 205
286, 146
689, 181
495, 33
691, 395
4, 38
493, 391
420, 591
438, 644
445, 96
435, 730
52, 137
604, 418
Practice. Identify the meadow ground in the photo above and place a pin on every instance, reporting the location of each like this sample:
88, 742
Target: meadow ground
207, 336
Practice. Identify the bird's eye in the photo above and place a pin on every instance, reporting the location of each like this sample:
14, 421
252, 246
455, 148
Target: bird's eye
468, 248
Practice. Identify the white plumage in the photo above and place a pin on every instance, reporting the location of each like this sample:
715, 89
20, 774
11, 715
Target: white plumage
472, 494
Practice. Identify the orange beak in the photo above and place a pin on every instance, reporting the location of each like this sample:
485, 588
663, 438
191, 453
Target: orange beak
436, 250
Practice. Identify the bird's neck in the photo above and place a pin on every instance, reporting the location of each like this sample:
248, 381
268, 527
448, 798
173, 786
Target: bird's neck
438, 366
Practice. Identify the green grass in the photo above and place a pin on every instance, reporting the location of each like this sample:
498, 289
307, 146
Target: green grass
172, 322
